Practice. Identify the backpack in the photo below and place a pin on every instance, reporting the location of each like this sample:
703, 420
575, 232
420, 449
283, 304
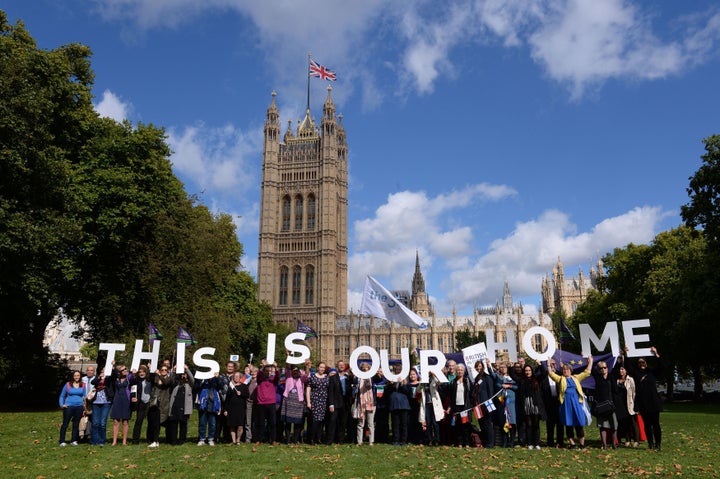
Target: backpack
209, 400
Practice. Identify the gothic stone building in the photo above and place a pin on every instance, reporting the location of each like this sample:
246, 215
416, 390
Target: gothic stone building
353, 331
566, 294
302, 264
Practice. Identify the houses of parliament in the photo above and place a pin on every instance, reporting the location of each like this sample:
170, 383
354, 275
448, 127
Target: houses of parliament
303, 254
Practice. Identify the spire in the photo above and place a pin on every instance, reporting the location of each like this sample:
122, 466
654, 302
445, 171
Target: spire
418, 283
306, 128
272, 121
329, 106
288, 134
507, 298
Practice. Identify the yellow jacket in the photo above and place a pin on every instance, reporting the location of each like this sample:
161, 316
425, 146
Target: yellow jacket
562, 381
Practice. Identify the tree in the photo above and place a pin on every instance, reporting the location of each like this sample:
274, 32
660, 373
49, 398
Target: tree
465, 338
94, 222
704, 191
670, 282
45, 109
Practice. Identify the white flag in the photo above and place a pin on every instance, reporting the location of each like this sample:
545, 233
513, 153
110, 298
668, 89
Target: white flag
380, 303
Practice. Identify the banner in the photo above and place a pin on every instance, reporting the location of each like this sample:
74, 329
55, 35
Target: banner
378, 302
472, 354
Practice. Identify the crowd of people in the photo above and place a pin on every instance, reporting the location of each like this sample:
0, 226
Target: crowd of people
504, 405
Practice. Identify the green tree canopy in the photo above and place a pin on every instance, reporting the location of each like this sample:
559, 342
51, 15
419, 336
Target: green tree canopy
93, 221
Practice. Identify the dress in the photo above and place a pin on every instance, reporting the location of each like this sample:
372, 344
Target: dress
571, 411
236, 405
318, 396
121, 404
292, 407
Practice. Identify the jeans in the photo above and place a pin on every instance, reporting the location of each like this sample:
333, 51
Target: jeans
71, 413
206, 423
99, 423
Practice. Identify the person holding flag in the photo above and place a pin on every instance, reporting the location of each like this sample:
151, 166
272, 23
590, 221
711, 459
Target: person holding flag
572, 401
483, 392
506, 414
460, 402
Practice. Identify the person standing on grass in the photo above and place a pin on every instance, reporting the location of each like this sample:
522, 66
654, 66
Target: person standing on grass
222, 430
460, 401
364, 407
264, 414
628, 430
208, 406
505, 415
120, 411
90, 396
572, 401
71, 403
316, 395
140, 393
431, 410
483, 391
530, 401
549, 388
399, 409
606, 390
181, 405
647, 397
104, 395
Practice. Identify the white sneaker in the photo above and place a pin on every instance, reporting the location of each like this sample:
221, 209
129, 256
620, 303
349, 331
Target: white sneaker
211, 442
62, 444
74, 443
153, 444
538, 447
530, 448
201, 443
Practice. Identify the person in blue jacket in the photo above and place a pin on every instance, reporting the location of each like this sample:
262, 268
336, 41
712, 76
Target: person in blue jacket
71, 403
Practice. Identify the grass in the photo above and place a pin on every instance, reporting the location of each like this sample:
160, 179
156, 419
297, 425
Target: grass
28, 440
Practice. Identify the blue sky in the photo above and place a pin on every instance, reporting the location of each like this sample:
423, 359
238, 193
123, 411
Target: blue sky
491, 136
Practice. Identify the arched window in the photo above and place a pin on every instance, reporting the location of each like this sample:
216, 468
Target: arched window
283, 285
298, 212
311, 212
309, 284
297, 276
286, 213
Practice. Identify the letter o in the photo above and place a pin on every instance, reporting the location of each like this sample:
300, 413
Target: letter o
528, 347
374, 362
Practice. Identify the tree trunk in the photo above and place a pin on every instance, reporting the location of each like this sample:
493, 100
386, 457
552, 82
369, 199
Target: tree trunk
697, 376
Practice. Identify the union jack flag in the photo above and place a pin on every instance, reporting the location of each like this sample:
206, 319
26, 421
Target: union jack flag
317, 70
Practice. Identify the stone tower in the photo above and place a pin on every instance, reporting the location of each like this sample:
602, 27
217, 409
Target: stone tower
566, 294
302, 264
419, 301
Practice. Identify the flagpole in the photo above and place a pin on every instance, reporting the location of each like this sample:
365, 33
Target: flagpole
307, 72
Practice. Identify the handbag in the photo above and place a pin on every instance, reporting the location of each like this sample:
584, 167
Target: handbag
87, 407
603, 408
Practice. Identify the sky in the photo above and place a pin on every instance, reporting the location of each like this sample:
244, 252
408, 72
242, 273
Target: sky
490, 137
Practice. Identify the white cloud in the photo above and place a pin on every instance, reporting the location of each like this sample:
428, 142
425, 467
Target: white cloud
581, 43
522, 258
528, 253
385, 245
111, 106
215, 160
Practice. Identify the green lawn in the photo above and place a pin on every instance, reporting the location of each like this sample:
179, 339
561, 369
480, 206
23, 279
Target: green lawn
28, 449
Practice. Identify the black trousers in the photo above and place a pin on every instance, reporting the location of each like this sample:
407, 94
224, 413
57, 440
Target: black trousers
140, 414
264, 420
176, 430
400, 418
153, 427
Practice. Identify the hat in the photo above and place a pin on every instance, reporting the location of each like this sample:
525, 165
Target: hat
332, 370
